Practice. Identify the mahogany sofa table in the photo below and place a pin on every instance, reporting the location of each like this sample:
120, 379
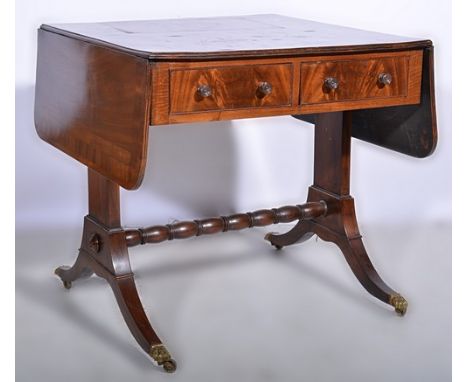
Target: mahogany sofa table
101, 85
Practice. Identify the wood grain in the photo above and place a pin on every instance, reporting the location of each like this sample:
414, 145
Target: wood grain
408, 129
109, 259
232, 87
175, 83
99, 86
93, 104
260, 218
339, 225
232, 37
357, 79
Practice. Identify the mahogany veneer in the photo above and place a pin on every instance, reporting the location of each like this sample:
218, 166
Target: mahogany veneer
100, 86
358, 78
297, 86
233, 87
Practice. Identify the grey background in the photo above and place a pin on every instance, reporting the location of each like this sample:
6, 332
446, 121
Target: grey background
228, 307
231, 308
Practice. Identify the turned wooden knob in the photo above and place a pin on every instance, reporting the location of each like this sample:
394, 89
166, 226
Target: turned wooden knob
385, 78
263, 89
204, 91
331, 83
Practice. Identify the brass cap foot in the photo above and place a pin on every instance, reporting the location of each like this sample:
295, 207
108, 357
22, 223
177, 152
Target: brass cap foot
268, 236
58, 271
399, 303
160, 354
67, 284
170, 366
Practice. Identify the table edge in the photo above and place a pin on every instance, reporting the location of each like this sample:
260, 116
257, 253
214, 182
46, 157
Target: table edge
239, 54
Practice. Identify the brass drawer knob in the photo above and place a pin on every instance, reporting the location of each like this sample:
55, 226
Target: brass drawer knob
331, 83
204, 91
263, 89
385, 79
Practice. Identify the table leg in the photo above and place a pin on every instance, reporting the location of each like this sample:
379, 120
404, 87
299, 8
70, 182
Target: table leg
104, 252
80, 269
339, 225
298, 234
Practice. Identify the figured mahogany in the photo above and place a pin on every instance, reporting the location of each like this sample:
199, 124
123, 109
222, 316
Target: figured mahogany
297, 86
104, 252
92, 103
100, 86
331, 184
96, 94
408, 129
232, 37
232, 87
358, 79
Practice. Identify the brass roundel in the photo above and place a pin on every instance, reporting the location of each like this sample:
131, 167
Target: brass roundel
94, 243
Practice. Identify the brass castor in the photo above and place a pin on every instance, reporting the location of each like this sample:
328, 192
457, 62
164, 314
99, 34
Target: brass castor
399, 303
67, 284
268, 238
170, 366
160, 354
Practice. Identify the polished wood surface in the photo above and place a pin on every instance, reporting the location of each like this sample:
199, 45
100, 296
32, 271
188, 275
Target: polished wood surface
410, 129
93, 104
232, 87
358, 78
109, 259
331, 185
232, 37
74, 76
100, 86
236, 222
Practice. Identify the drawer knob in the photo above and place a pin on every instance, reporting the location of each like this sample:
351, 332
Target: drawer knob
204, 91
331, 83
263, 89
385, 78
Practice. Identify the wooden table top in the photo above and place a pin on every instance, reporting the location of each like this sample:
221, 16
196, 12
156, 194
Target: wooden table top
231, 37
101, 85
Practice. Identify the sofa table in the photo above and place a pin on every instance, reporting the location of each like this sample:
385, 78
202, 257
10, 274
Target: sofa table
101, 85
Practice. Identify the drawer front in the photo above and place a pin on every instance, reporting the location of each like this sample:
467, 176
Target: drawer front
354, 79
230, 87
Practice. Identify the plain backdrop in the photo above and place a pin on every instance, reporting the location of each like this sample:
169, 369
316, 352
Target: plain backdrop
217, 168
